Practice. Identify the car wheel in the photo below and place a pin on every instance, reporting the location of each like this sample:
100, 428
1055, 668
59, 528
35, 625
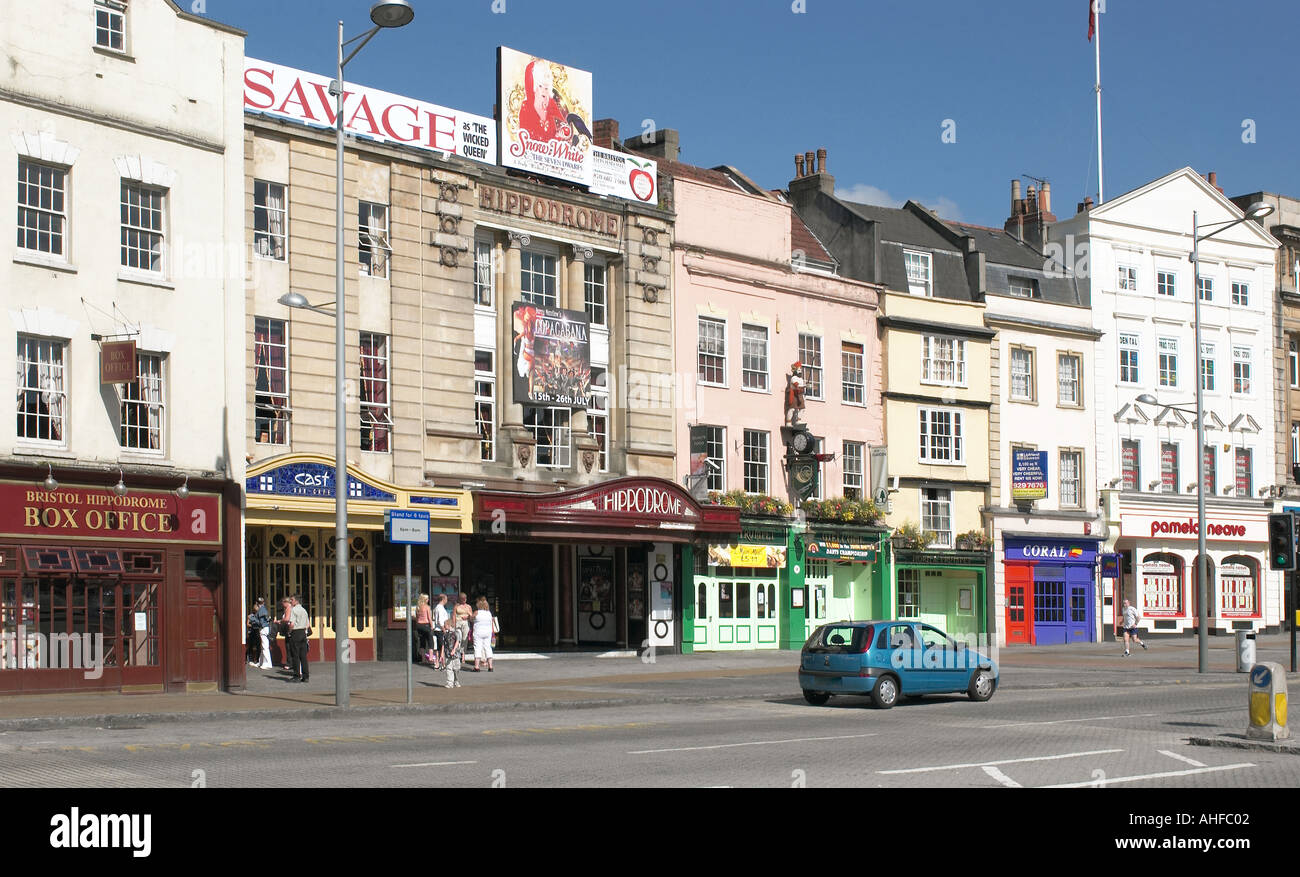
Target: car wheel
885, 694
816, 698
981, 686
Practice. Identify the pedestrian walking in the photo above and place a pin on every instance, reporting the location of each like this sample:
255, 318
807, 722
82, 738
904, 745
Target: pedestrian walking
1130, 626
299, 624
485, 625
453, 648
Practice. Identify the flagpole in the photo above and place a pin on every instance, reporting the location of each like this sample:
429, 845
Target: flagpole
1101, 186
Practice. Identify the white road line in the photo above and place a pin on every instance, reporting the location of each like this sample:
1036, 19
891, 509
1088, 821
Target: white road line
433, 764
1004, 761
1183, 758
1067, 721
754, 743
1150, 776
1001, 777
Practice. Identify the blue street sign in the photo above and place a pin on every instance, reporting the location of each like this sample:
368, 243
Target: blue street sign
1260, 677
406, 527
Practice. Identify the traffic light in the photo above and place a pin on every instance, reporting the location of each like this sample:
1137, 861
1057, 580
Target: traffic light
1281, 541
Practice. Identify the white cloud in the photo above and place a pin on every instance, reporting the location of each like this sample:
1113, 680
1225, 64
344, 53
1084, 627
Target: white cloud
863, 193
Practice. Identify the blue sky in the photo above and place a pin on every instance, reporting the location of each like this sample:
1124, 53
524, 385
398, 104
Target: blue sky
751, 83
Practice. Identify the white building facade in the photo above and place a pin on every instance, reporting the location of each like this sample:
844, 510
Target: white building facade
123, 176
1136, 251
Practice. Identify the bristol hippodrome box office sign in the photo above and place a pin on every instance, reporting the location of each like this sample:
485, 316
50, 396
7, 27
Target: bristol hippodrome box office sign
545, 111
552, 356
277, 90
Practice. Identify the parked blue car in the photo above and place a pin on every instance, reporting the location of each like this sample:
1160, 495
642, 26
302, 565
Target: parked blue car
886, 659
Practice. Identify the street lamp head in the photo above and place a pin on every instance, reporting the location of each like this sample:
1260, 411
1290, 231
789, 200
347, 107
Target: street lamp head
392, 13
294, 300
1145, 398
1258, 210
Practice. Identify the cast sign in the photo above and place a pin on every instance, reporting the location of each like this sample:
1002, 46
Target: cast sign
305, 97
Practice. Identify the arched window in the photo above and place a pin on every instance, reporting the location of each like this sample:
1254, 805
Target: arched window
1239, 587
1161, 591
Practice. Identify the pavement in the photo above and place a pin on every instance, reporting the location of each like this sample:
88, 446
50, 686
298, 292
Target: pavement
585, 679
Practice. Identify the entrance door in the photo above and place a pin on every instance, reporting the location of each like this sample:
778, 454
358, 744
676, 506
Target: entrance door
1049, 605
516, 579
597, 609
201, 643
1079, 626
1020, 589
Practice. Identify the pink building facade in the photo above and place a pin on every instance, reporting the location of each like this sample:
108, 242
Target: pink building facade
756, 293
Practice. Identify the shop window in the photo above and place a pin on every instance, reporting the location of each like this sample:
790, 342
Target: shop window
725, 607
742, 600
98, 561
1049, 602
819, 601
1162, 588
1078, 605
1238, 586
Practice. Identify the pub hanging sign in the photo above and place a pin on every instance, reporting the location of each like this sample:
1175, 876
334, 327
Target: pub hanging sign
117, 362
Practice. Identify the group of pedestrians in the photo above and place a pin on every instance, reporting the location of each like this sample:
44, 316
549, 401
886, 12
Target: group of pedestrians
294, 626
442, 635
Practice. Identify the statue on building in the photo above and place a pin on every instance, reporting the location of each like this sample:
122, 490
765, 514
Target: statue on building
795, 385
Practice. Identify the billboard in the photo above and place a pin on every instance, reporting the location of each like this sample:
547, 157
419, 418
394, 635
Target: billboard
1028, 475
304, 97
551, 350
546, 117
624, 176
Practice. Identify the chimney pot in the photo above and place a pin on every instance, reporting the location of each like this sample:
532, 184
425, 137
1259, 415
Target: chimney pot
1087, 203
821, 162
1015, 195
1214, 179
798, 167
1046, 197
810, 158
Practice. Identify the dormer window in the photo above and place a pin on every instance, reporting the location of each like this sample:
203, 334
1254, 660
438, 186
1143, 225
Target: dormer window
1023, 287
110, 25
918, 273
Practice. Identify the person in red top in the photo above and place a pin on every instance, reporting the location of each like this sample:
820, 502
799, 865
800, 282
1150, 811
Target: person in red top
540, 115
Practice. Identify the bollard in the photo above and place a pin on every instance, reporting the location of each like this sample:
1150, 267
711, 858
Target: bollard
1245, 650
1267, 703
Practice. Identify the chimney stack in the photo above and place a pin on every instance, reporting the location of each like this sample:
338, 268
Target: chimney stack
664, 144
1085, 205
1213, 180
811, 175
605, 133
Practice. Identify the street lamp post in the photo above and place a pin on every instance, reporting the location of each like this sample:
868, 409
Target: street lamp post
390, 13
1258, 210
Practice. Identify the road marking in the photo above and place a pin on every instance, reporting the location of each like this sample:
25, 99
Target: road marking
433, 764
1004, 761
1067, 721
1184, 758
753, 743
1001, 777
1150, 776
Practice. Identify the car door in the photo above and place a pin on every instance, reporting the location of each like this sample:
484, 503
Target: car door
944, 666
896, 644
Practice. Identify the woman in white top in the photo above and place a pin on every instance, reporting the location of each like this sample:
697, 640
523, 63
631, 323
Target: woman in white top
484, 626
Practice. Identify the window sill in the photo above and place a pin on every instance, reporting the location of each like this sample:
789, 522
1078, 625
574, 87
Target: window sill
113, 53
145, 280
755, 390
144, 458
58, 452
1022, 401
37, 260
263, 257
946, 384
700, 383
943, 463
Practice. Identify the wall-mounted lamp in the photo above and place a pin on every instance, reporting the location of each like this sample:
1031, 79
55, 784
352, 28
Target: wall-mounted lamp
120, 487
1114, 482
1227, 490
1191, 488
50, 483
1153, 485
184, 490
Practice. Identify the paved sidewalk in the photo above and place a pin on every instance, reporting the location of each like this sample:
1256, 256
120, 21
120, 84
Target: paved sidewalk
620, 678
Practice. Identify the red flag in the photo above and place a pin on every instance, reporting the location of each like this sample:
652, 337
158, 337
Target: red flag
1092, 18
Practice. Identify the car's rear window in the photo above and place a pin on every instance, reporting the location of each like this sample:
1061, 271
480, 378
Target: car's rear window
838, 638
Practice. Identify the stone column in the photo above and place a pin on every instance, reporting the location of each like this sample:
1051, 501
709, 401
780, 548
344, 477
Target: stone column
520, 444
585, 448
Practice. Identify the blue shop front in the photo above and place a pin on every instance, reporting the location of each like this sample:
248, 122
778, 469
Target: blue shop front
1051, 591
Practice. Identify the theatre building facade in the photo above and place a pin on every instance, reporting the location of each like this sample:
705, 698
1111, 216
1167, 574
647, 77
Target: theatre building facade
508, 366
